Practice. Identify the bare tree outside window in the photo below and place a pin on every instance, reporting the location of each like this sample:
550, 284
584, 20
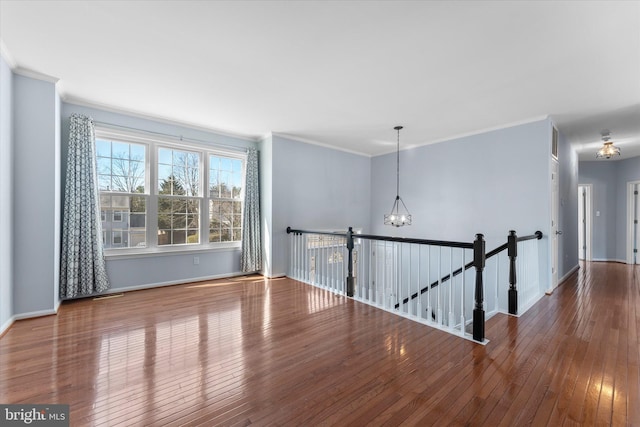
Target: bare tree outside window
122, 184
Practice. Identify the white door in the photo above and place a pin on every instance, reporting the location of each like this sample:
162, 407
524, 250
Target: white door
584, 222
633, 232
554, 224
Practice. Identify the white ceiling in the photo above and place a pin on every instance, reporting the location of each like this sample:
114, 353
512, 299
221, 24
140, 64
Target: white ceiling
344, 73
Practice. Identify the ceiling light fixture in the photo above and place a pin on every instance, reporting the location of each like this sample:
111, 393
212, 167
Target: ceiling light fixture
608, 150
399, 215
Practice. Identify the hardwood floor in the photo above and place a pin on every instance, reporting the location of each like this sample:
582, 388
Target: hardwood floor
278, 352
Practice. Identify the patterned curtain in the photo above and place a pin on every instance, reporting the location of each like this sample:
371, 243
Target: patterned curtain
82, 265
251, 256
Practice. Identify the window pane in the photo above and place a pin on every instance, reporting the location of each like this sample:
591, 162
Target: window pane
103, 148
177, 219
193, 221
179, 237
104, 182
164, 221
138, 204
120, 201
121, 166
119, 150
164, 204
104, 165
178, 172
123, 221
236, 185
193, 237
214, 189
225, 206
225, 185
137, 152
225, 164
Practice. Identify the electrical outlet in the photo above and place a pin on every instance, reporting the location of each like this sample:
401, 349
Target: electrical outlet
196, 260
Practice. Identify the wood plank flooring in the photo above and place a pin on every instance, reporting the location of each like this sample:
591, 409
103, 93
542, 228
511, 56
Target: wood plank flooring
250, 351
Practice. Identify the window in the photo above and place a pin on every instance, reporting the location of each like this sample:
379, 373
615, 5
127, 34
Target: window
225, 204
158, 195
122, 180
178, 197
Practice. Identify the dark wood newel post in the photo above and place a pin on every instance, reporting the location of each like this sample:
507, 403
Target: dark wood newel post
350, 281
478, 311
512, 252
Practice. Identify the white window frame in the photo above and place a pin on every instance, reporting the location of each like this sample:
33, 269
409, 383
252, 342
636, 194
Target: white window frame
153, 143
120, 213
230, 155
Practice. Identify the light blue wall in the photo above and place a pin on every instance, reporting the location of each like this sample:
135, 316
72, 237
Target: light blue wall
609, 180
568, 209
266, 204
317, 188
488, 183
602, 177
150, 270
36, 193
57, 210
6, 195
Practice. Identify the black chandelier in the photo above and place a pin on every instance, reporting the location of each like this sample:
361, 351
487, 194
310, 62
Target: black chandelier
399, 215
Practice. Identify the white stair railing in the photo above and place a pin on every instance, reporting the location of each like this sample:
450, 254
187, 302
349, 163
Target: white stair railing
446, 285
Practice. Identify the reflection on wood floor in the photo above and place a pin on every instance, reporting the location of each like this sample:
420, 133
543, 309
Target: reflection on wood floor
273, 352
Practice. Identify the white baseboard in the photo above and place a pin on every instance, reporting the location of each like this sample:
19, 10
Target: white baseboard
522, 310
566, 276
28, 315
7, 325
622, 261
169, 283
32, 314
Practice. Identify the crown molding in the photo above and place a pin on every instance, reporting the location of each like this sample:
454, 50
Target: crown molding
25, 72
468, 134
7, 55
140, 115
320, 144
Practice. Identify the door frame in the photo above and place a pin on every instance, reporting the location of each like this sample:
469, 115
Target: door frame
554, 224
630, 218
588, 217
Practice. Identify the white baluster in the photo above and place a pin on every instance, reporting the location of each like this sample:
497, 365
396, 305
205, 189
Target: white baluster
439, 305
462, 289
451, 288
429, 308
497, 283
399, 278
419, 297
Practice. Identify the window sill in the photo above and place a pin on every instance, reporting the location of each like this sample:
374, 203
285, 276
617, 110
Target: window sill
160, 252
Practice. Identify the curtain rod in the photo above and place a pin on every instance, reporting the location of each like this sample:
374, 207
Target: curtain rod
178, 137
